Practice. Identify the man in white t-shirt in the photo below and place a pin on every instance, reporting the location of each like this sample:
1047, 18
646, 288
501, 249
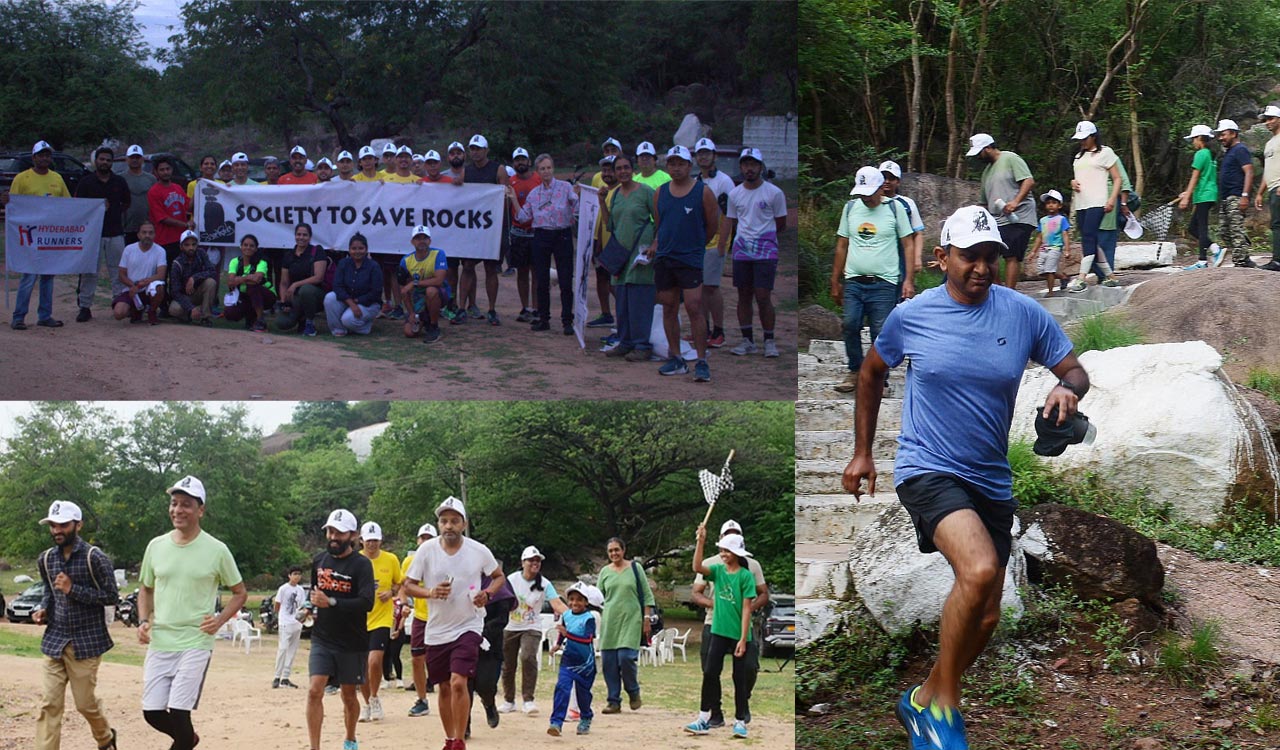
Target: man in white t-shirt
290, 604
704, 152
910, 248
523, 634
141, 273
756, 213
448, 570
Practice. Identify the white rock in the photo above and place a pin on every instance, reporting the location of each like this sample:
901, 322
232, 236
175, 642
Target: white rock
815, 618
1144, 254
689, 132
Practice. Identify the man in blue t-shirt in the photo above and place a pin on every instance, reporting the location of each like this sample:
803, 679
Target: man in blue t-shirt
968, 343
1235, 175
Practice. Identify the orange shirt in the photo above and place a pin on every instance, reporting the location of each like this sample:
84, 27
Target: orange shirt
307, 178
522, 187
442, 177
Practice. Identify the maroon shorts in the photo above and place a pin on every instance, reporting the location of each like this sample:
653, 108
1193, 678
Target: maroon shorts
417, 640
457, 657
125, 298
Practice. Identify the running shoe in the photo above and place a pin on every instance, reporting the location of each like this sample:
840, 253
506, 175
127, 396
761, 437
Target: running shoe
554, 730
716, 722
944, 728
350, 745
1196, 266
701, 374
912, 721
474, 312
309, 329
493, 318
1219, 254
1246, 263
420, 708
584, 726
525, 316
746, 347
364, 712
739, 730
604, 321
674, 366
258, 326
275, 683
1110, 283
285, 683
697, 727
715, 342
1271, 266
459, 318
530, 708
375, 709
770, 348
1077, 286
431, 336
330, 689
509, 272
539, 325
506, 708
84, 315
491, 715
396, 314
610, 340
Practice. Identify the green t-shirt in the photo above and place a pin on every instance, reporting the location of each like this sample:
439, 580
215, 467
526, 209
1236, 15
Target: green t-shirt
1110, 221
622, 620
185, 579
655, 180
1207, 186
1002, 180
238, 267
873, 235
732, 590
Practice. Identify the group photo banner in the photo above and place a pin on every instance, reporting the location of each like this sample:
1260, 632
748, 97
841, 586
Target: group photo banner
465, 221
53, 235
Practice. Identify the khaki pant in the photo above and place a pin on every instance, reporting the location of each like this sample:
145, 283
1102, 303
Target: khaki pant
202, 298
83, 676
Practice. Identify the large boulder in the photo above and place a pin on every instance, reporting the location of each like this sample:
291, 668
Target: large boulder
901, 586
938, 197
1169, 423
817, 322
1098, 557
1144, 255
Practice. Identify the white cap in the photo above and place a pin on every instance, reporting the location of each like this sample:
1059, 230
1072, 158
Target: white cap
431, 155
979, 141
188, 235
419, 158
41, 146
867, 181
134, 150
969, 226
456, 145
704, 144
1084, 129
1226, 125
531, 552
421, 229
62, 511
270, 160
298, 150
607, 159
646, 147
225, 163
730, 525
368, 151
404, 151
309, 166
892, 168
735, 544
1271, 111
324, 161
592, 594
341, 520
371, 532
611, 142
388, 148
451, 503
344, 155
680, 152
751, 153
189, 485
427, 529
1054, 194
478, 141
1205, 130
239, 157
520, 151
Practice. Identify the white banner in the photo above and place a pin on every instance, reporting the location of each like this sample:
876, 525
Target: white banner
465, 221
53, 235
588, 210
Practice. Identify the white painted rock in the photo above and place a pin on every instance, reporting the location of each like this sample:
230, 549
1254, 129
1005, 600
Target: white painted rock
815, 618
689, 132
899, 585
1144, 255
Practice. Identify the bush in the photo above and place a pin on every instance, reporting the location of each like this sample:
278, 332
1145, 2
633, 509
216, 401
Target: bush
1104, 331
1267, 382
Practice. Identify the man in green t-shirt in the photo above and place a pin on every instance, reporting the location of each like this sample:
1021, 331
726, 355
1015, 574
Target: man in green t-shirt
180, 576
1006, 192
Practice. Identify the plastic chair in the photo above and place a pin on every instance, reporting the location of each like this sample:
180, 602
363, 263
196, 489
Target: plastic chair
679, 641
245, 633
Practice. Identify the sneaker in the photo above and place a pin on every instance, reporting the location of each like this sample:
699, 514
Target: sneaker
584, 726
604, 321
1077, 286
509, 272
84, 315
639, 355
739, 730
554, 730
568, 329
849, 384
364, 712
1196, 266
743, 349
525, 316
1272, 266
420, 708
540, 325
674, 366
275, 683
330, 689
715, 342
506, 708
474, 312
396, 314
944, 727
912, 721
612, 708
492, 315
530, 708
308, 329
491, 715
611, 340
209, 323
1246, 263
701, 374
459, 318
285, 683
350, 745
1110, 283
375, 709
770, 348
619, 351
385, 311
1218, 253
697, 727
430, 336
636, 703
448, 312
18, 325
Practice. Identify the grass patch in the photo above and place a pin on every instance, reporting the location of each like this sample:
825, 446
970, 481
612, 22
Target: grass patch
1104, 331
677, 687
1267, 382
1190, 660
16, 643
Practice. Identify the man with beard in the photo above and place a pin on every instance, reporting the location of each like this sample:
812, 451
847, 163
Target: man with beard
139, 183
78, 585
757, 214
520, 256
342, 589
1006, 192
431, 173
180, 576
610, 147
169, 210
1235, 176
346, 166
195, 283
481, 171
449, 570
114, 191
324, 170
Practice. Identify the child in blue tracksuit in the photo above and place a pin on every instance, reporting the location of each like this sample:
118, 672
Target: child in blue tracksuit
578, 661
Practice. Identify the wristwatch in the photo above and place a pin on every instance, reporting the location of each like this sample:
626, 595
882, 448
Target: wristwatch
333, 602
1069, 387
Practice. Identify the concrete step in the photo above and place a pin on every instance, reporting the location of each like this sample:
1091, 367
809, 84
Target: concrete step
811, 368
835, 518
838, 415
832, 352
822, 476
839, 444
824, 390
822, 570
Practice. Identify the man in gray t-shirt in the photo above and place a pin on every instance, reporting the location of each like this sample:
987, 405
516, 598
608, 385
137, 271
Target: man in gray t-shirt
139, 183
1006, 193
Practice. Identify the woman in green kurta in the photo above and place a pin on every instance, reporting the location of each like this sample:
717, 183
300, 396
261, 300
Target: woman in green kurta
628, 213
624, 627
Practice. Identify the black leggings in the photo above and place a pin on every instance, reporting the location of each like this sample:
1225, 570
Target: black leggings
391, 664
716, 651
176, 724
1199, 226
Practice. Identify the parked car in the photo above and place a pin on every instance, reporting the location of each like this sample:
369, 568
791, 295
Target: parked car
182, 171
775, 625
24, 604
13, 162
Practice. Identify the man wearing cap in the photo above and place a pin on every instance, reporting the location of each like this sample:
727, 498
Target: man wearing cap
449, 570
704, 596
417, 630
610, 147
1271, 182
368, 166
481, 171
1235, 177
271, 165
403, 172
422, 276
647, 160
704, 152
240, 170
79, 584
1006, 192
297, 174
431, 173
523, 633
180, 577
139, 183
342, 590
387, 578
114, 191
195, 282
388, 160
968, 342
141, 275
169, 210
756, 214
866, 271
224, 171
520, 254
324, 170
38, 180
346, 166
910, 256
600, 239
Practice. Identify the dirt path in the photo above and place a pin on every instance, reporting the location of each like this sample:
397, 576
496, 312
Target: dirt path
1244, 599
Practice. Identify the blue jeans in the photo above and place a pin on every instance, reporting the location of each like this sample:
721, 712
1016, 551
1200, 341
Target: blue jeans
571, 680
28, 282
619, 672
635, 314
1088, 220
1107, 242
873, 301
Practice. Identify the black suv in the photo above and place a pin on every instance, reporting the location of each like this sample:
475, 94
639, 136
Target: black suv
775, 625
182, 171
13, 162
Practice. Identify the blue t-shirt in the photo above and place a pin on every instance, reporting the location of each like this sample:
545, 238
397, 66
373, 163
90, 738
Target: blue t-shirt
1231, 170
966, 364
579, 656
1053, 229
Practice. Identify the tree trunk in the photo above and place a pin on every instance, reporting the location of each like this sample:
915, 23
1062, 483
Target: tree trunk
913, 112
953, 129
817, 119
873, 122
971, 100
1135, 142
1129, 45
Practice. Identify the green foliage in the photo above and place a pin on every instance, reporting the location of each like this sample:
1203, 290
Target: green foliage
1104, 331
859, 656
1267, 382
322, 414
1033, 481
1190, 660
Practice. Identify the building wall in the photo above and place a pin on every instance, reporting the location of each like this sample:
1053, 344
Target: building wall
777, 137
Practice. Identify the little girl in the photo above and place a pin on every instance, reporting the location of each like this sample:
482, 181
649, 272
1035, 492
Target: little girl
1054, 242
735, 588
578, 662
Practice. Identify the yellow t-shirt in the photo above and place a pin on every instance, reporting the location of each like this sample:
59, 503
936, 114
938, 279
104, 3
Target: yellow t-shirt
360, 177
597, 180
411, 179
419, 604
386, 573
50, 183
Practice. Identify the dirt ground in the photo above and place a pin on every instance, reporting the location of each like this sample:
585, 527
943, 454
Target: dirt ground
239, 709
1244, 599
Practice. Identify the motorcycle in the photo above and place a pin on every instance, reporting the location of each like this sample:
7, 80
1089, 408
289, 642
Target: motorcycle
267, 614
127, 610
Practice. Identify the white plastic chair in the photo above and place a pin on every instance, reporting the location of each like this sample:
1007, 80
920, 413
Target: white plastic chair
679, 641
245, 633
551, 637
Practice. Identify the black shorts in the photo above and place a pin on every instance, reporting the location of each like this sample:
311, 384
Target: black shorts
754, 274
1016, 237
379, 638
521, 255
670, 274
349, 667
931, 497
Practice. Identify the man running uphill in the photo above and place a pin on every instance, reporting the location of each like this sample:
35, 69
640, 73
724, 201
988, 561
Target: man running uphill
968, 343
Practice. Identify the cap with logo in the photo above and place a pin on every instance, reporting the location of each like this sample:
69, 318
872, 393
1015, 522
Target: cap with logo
388, 148
1271, 111
341, 520
225, 163
41, 146
531, 553
451, 503
239, 157
519, 152
1052, 194
404, 151
730, 525
607, 159
431, 155
1226, 125
704, 144
188, 235
371, 532
368, 151
593, 595
325, 162
134, 150
969, 226
979, 141
751, 153
298, 150
646, 147
421, 229
189, 485
427, 529
735, 544
344, 155
1199, 130
867, 181
478, 141
62, 511
1084, 129
456, 145
611, 142
419, 158
680, 152
891, 167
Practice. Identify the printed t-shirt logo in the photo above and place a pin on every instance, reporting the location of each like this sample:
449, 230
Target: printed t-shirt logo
866, 230
328, 580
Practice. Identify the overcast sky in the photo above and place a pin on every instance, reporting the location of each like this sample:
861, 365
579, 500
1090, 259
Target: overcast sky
267, 415
159, 19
